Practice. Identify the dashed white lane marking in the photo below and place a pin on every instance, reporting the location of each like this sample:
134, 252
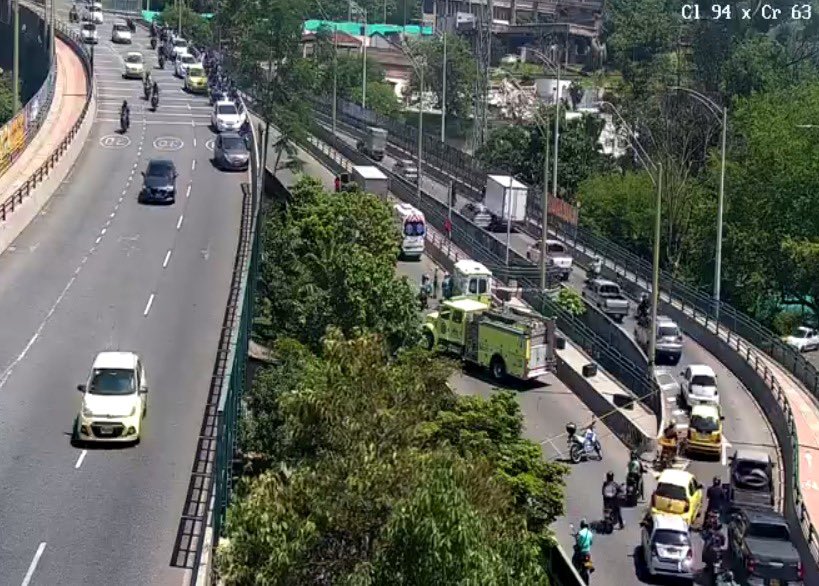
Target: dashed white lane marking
149, 304
80, 459
103, 231
179, 222
167, 259
33, 565
188, 191
97, 241
193, 165
194, 140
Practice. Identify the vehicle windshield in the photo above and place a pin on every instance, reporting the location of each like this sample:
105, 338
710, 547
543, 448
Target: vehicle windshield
671, 491
414, 229
801, 333
188, 59
556, 247
669, 537
121, 28
668, 332
136, 59
609, 291
159, 169
769, 531
233, 143
704, 424
113, 381
226, 109
703, 380
89, 27
180, 43
196, 72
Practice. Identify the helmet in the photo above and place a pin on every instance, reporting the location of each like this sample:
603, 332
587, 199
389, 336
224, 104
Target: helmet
634, 455
609, 476
584, 524
571, 428
717, 480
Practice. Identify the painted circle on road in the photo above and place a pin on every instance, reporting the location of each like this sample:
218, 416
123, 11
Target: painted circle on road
168, 143
115, 141
209, 144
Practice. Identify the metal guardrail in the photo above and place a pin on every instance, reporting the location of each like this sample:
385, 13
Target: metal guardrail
628, 266
41, 173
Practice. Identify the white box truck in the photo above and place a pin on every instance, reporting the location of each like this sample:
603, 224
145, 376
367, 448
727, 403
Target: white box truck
370, 180
505, 196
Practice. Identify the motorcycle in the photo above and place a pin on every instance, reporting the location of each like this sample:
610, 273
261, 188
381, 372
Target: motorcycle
608, 521
153, 43
154, 101
161, 62
579, 448
634, 490
131, 25
582, 562
146, 88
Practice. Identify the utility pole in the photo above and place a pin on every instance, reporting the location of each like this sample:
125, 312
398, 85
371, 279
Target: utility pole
420, 130
443, 100
508, 219
544, 222
52, 37
655, 273
364, 65
557, 133
15, 67
179, 4
335, 77
720, 206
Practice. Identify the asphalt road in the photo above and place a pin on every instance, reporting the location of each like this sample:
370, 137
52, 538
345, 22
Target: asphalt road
744, 425
96, 270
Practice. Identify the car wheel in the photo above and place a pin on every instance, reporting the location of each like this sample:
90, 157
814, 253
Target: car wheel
498, 368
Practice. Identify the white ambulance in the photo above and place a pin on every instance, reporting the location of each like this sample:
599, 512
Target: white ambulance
413, 229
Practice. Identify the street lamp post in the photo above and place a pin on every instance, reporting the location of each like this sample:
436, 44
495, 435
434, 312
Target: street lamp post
335, 77
15, 67
420, 132
445, 68
363, 13
721, 114
544, 233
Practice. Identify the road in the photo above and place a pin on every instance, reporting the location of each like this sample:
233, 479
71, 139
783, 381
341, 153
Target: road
96, 270
744, 426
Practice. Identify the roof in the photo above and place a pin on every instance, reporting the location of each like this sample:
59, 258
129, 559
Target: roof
605, 282
112, 360
701, 369
508, 181
369, 172
752, 455
465, 304
676, 477
406, 209
354, 28
471, 267
339, 38
669, 522
129, 53
666, 319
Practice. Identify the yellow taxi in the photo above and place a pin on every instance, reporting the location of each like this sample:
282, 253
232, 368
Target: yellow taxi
705, 430
196, 80
677, 493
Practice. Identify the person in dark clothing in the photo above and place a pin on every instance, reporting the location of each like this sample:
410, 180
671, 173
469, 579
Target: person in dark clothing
611, 498
716, 496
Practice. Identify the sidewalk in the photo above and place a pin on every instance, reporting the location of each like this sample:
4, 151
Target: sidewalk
66, 107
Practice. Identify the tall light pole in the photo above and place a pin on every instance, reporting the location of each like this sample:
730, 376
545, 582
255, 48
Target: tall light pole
179, 10
544, 231
445, 67
657, 181
361, 13
420, 132
555, 66
721, 114
335, 77
15, 67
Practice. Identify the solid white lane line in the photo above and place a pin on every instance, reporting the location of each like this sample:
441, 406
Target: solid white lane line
149, 304
167, 259
193, 165
80, 459
33, 565
188, 191
179, 222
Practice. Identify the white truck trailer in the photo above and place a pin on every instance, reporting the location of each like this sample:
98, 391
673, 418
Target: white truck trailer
505, 198
370, 180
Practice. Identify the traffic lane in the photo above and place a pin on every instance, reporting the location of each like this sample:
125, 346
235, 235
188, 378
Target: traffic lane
138, 494
547, 406
102, 310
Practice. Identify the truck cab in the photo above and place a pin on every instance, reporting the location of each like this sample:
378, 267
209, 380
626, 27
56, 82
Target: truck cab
761, 549
472, 279
374, 143
607, 297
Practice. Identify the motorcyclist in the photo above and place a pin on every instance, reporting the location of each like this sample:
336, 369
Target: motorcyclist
595, 267
72, 14
644, 306
713, 545
125, 114
716, 496
425, 291
590, 435
611, 498
583, 541
155, 96
161, 58
635, 471
154, 31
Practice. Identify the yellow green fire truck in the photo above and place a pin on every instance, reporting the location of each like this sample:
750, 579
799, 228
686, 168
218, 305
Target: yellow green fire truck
508, 341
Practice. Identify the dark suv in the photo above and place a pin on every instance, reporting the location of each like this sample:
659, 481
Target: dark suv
159, 182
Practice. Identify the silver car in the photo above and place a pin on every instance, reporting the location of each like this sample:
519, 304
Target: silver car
230, 152
406, 169
478, 214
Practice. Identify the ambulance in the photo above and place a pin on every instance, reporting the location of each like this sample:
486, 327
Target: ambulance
413, 229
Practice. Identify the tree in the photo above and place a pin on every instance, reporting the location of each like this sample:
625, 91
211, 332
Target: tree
461, 72
331, 262
6, 98
570, 300
380, 98
194, 27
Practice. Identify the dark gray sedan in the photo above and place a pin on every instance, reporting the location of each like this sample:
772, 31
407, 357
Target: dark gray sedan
230, 152
159, 182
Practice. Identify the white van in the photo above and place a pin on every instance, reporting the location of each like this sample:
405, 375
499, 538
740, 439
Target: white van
472, 279
413, 228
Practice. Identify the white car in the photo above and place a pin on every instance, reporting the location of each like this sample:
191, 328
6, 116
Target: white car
183, 63
89, 34
804, 339
96, 15
134, 65
121, 34
699, 385
180, 47
666, 546
226, 116
114, 399
557, 255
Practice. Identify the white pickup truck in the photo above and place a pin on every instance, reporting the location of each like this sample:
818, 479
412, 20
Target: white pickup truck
557, 256
607, 297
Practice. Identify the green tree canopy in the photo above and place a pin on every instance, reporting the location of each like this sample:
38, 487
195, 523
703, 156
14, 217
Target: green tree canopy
461, 72
6, 98
194, 27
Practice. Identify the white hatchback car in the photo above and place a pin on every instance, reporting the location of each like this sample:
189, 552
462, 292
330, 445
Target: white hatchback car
96, 15
666, 545
180, 47
226, 116
121, 34
114, 400
89, 34
803, 339
183, 63
134, 65
699, 385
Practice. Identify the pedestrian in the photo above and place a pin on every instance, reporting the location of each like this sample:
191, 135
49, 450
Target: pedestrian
435, 284
446, 286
